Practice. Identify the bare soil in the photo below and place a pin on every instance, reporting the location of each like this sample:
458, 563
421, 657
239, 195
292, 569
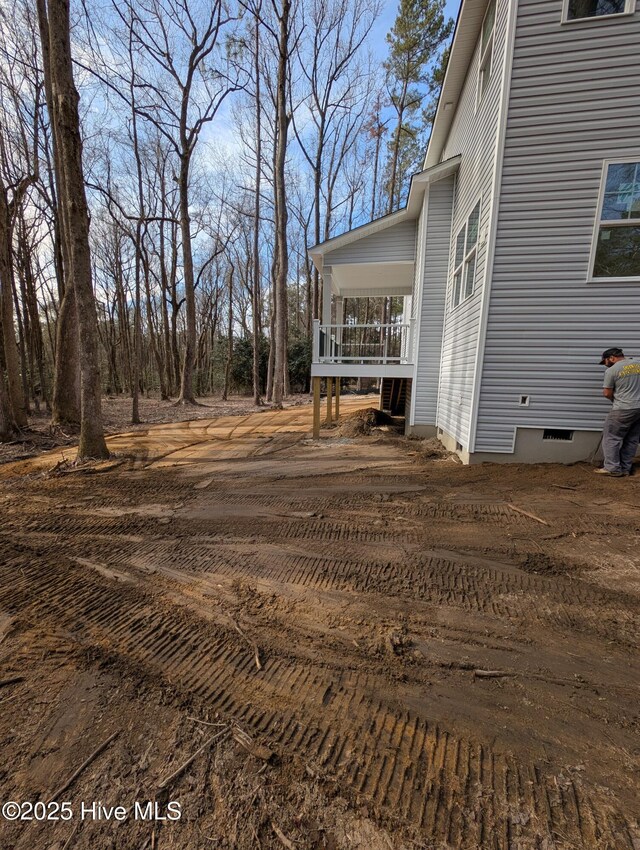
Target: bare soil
397, 651
41, 436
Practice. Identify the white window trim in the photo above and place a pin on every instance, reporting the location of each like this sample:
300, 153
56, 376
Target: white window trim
598, 224
468, 255
629, 9
486, 55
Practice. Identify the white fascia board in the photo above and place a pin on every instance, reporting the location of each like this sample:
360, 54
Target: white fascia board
465, 39
361, 370
411, 211
318, 251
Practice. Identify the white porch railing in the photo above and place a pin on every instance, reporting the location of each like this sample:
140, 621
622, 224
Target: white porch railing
370, 344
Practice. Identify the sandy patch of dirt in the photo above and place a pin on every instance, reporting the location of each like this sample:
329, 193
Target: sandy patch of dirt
41, 436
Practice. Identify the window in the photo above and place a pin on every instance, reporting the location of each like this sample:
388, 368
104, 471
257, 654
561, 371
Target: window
617, 238
464, 272
486, 49
577, 10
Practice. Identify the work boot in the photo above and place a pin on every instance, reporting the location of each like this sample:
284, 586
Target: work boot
604, 471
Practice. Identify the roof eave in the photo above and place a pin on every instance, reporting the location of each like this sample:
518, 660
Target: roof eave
465, 38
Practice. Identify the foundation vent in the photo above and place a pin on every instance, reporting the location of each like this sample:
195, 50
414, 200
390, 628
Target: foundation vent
558, 434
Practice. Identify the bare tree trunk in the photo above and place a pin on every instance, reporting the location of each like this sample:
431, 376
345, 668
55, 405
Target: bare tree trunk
8, 429
227, 368
65, 402
153, 336
189, 359
66, 381
64, 111
172, 379
36, 341
282, 257
255, 299
123, 311
11, 356
272, 348
396, 149
376, 165
135, 371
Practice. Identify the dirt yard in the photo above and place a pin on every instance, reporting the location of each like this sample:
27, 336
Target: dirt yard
116, 413
360, 642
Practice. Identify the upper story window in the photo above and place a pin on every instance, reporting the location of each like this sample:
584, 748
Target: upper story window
486, 49
464, 271
617, 238
576, 10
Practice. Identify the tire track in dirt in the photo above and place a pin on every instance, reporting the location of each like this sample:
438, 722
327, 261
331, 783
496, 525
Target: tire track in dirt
469, 583
436, 577
448, 787
347, 726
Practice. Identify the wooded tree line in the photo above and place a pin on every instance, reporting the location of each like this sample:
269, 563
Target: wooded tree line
164, 165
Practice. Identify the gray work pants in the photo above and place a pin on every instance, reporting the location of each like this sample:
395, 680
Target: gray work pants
620, 438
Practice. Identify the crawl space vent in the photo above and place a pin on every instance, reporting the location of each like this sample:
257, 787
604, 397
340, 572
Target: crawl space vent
557, 434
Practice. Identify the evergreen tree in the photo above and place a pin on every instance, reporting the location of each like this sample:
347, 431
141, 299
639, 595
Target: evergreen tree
419, 31
434, 86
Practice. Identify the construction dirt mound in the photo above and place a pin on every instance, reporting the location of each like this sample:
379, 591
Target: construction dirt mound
362, 422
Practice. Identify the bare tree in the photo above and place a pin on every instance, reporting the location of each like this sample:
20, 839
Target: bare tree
281, 256
255, 296
66, 384
180, 40
63, 108
19, 125
330, 61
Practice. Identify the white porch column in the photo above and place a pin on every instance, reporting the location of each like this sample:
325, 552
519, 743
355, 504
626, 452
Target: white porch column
326, 296
339, 302
407, 303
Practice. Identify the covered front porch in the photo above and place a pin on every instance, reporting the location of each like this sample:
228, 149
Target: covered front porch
379, 260
344, 346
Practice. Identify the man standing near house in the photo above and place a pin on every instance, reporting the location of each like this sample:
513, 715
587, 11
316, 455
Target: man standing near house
621, 432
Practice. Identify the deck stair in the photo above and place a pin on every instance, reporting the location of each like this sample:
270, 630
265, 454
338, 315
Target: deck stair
394, 393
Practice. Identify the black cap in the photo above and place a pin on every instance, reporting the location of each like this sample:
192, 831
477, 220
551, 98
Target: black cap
611, 352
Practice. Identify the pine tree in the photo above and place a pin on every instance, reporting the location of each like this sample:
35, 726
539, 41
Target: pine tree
419, 31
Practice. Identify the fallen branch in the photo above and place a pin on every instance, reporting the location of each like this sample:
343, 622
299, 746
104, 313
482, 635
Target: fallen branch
564, 487
176, 773
526, 513
205, 722
55, 470
494, 674
252, 644
259, 751
84, 765
12, 681
283, 838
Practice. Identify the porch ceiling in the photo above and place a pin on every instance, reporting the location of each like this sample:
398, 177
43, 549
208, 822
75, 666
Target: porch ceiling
361, 280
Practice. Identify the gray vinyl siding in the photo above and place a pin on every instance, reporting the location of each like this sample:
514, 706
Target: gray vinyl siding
474, 135
434, 269
573, 104
394, 244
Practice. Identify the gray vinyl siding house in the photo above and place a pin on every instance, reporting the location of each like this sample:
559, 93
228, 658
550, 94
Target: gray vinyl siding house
512, 284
